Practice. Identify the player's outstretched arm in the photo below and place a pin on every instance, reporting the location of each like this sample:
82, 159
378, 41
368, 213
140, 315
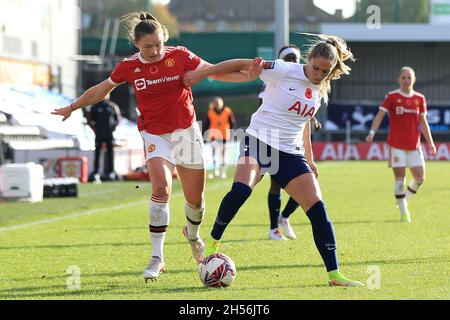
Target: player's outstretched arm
425, 128
236, 70
91, 96
375, 125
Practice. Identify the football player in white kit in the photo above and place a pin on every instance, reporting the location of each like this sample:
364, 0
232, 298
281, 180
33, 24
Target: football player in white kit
290, 53
274, 140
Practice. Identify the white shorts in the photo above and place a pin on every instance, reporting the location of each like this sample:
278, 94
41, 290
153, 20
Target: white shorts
399, 158
183, 147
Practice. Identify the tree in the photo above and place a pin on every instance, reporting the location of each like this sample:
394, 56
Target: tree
101, 10
162, 13
402, 11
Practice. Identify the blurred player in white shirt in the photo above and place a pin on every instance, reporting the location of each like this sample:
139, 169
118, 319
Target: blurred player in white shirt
290, 53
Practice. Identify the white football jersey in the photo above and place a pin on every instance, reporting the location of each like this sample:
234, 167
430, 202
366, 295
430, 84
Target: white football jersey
290, 101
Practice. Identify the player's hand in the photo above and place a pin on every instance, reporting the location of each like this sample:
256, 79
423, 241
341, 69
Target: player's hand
314, 169
317, 125
64, 112
191, 78
369, 138
255, 69
432, 149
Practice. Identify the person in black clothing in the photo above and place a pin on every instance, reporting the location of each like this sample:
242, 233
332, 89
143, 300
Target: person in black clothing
103, 118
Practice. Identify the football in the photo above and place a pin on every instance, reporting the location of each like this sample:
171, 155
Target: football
217, 270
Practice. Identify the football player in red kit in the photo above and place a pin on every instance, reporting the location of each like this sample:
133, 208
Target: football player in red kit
167, 123
407, 109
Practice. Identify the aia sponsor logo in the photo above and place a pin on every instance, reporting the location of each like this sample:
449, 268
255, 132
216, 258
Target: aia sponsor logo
303, 110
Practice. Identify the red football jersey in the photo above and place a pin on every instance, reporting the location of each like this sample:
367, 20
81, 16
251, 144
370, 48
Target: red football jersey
404, 117
164, 102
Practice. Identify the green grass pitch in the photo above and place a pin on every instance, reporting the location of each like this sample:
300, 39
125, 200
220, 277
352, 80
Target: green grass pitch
104, 235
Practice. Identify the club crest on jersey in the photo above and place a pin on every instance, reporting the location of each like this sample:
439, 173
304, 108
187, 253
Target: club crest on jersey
153, 69
169, 63
304, 110
151, 148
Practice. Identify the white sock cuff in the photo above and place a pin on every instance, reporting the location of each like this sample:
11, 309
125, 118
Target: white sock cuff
194, 215
399, 187
415, 185
158, 214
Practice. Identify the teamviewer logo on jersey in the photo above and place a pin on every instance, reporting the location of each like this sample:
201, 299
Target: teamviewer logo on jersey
140, 84
400, 110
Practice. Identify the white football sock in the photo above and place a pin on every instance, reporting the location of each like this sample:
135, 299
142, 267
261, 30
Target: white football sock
412, 188
159, 217
194, 217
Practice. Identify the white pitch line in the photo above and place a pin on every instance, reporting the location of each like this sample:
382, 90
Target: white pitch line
93, 211
73, 215
90, 194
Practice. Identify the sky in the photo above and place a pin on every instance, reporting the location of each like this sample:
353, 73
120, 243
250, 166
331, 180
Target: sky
348, 6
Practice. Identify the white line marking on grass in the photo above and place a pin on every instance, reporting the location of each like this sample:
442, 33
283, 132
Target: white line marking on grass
95, 211
90, 194
73, 215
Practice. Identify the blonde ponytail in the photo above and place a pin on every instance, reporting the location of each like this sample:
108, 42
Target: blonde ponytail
336, 50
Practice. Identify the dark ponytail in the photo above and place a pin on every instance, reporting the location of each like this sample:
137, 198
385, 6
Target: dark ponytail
141, 23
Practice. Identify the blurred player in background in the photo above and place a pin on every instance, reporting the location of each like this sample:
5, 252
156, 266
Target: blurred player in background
103, 118
172, 137
220, 120
290, 53
278, 130
407, 109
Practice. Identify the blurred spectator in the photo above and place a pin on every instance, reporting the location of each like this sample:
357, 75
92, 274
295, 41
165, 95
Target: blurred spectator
103, 118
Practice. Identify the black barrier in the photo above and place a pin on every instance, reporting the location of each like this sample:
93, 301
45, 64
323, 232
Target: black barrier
361, 117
